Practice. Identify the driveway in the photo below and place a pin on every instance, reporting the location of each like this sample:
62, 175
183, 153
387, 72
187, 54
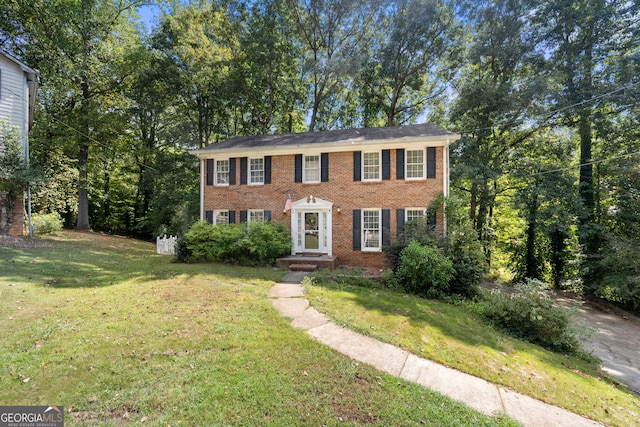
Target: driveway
615, 340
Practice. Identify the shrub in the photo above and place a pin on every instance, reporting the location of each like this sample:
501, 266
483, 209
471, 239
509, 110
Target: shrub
529, 314
424, 270
265, 242
469, 262
258, 244
46, 223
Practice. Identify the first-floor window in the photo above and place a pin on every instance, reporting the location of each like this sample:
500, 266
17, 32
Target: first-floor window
415, 214
221, 217
256, 215
371, 230
222, 172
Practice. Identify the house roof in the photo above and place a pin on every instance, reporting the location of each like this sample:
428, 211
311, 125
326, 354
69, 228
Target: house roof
334, 140
32, 81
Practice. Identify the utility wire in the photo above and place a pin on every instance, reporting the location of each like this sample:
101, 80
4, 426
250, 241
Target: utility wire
89, 137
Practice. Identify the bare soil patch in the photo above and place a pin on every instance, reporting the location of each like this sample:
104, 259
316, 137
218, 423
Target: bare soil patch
24, 242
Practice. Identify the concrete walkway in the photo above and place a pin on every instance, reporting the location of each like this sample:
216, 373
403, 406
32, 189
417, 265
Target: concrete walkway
477, 393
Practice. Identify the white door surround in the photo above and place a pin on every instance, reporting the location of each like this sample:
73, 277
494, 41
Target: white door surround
311, 226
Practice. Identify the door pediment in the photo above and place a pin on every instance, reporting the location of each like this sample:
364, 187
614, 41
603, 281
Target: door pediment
312, 202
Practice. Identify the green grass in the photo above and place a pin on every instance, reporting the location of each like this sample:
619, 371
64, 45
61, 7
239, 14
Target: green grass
451, 335
121, 336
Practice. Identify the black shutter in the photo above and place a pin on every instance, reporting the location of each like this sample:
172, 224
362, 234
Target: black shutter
232, 171
357, 165
209, 216
400, 222
386, 227
386, 164
232, 217
243, 171
324, 167
243, 216
357, 239
400, 163
267, 216
209, 171
267, 169
298, 168
431, 162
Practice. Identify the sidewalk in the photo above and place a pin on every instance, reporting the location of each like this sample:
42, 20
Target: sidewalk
477, 393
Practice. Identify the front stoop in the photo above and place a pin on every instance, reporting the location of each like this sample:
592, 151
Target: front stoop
307, 263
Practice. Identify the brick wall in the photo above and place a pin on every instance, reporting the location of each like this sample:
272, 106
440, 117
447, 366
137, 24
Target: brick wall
341, 189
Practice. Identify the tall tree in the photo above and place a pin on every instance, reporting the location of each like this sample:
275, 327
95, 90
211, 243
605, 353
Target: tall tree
584, 38
334, 34
413, 57
196, 40
498, 90
81, 48
270, 94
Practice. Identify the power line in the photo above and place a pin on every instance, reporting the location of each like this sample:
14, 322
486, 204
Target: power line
89, 137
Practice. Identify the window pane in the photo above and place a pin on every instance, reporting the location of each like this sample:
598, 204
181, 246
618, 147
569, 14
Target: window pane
415, 214
371, 166
371, 228
311, 168
415, 163
222, 172
221, 218
256, 171
256, 216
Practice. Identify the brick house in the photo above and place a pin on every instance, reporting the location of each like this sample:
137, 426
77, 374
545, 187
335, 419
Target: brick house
18, 87
344, 194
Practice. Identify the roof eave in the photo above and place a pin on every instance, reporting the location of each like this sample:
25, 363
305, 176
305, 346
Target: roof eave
335, 146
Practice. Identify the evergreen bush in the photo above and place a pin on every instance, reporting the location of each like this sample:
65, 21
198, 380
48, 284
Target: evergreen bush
46, 223
529, 314
424, 270
258, 244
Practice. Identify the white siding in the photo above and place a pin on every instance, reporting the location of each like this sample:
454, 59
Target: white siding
14, 95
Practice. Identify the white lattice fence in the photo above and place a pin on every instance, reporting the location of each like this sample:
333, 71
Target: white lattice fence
166, 245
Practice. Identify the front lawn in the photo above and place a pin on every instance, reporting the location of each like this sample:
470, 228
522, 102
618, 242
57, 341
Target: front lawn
451, 335
121, 336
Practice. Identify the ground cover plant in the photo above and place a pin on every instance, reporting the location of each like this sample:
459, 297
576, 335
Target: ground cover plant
451, 334
121, 336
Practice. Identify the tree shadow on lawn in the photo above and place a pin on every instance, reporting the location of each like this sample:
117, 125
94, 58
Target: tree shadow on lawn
71, 265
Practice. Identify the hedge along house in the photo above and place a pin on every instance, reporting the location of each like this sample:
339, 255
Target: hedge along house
344, 193
18, 87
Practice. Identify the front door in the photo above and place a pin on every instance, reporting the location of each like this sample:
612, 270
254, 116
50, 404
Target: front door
311, 224
312, 230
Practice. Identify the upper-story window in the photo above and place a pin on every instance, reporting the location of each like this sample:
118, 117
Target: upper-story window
311, 169
415, 164
371, 166
256, 171
222, 172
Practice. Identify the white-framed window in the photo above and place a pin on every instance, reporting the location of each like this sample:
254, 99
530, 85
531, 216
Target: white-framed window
222, 172
371, 232
415, 164
415, 214
220, 217
371, 166
311, 169
255, 215
256, 170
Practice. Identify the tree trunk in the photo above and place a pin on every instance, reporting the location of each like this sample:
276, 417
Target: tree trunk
83, 195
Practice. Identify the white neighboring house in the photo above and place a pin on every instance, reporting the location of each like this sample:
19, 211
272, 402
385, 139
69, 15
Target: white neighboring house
18, 87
